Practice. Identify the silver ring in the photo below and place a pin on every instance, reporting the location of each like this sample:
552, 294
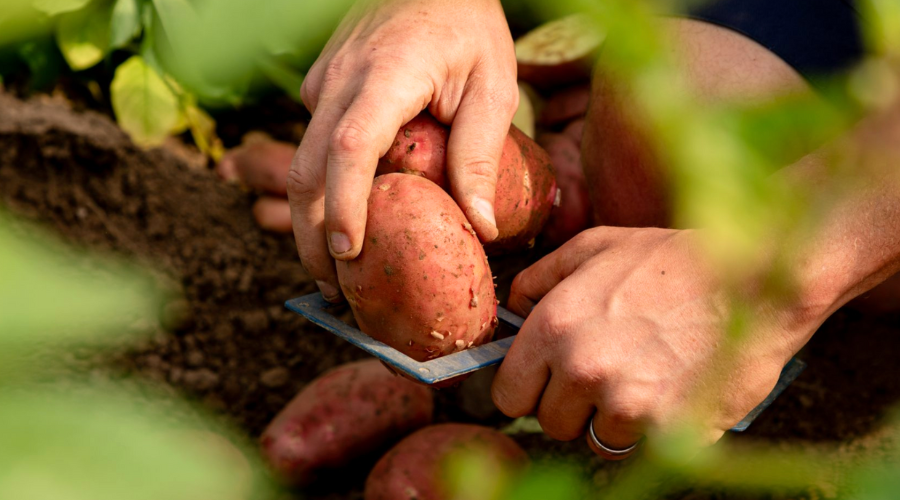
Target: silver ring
607, 449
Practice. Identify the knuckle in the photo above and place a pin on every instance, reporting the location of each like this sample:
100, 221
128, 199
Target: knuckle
552, 324
627, 409
303, 184
506, 402
309, 93
348, 137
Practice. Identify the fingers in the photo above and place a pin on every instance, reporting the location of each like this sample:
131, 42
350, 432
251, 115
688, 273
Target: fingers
562, 414
479, 131
273, 214
361, 136
532, 284
306, 193
522, 375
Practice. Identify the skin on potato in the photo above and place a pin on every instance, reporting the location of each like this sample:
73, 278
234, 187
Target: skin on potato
526, 180
558, 53
573, 213
420, 148
348, 412
421, 283
413, 469
566, 105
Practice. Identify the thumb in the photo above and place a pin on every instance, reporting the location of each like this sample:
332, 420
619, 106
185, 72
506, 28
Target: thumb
530, 285
473, 154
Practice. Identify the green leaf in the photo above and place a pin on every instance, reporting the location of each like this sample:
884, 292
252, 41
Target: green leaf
287, 78
145, 106
53, 300
55, 7
103, 443
125, 24
83, 35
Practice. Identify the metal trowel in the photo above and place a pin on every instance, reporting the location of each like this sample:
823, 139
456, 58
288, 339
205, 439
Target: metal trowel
316, 309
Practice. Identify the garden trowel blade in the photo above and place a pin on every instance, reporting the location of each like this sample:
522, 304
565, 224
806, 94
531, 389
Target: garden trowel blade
323, 313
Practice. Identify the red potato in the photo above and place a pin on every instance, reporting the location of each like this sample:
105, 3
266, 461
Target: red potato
420, 148
558, 53
575, 130
566, 105
573, 213
350, 411
526, 181
421, 283
414, 468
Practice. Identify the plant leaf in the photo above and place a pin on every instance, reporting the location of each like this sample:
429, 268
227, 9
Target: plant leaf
83, 35
125, 24
103, 443
145, 106
287, 78
53, 300
55, 7
203, 130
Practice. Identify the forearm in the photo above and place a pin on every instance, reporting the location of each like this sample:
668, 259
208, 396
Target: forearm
855, 244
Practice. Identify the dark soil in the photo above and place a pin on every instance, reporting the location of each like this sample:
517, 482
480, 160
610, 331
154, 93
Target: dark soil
230, 344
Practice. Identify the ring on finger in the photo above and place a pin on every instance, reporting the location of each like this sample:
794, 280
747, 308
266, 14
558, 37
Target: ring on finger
607, 450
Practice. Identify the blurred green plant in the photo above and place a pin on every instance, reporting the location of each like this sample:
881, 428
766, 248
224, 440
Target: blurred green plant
67, 436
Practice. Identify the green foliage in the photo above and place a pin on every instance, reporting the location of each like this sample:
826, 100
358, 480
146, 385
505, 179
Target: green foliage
145, 105
77, 439
83, 35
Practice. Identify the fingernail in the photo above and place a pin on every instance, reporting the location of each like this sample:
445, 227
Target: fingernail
340, 243
328, 291
484, 209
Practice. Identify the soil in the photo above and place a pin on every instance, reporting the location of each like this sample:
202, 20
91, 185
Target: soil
230, 344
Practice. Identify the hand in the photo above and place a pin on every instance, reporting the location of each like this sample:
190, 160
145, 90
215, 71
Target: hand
387, 62
629, 324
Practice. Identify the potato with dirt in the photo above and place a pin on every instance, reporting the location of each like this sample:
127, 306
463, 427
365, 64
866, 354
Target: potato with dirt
421, 283
526, 180
348, 412
414, 468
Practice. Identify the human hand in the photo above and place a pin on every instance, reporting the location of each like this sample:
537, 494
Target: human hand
387, 62
628, 332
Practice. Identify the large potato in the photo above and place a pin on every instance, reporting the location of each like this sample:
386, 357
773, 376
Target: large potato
421, 283
414, 468
559, 53
350, 411
526, 180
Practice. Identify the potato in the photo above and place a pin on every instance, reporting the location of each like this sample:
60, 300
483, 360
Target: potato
421, 283
566, 105
526, 181
414, 468
573, 213
558, 53
349, 412
420, 148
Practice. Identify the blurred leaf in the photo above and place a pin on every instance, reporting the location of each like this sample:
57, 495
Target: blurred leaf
55, 7
145, 106
43, 61
125, 24
287, 78
52, 303
203, 130
477, 473
83, 35
103, 443
556, 482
